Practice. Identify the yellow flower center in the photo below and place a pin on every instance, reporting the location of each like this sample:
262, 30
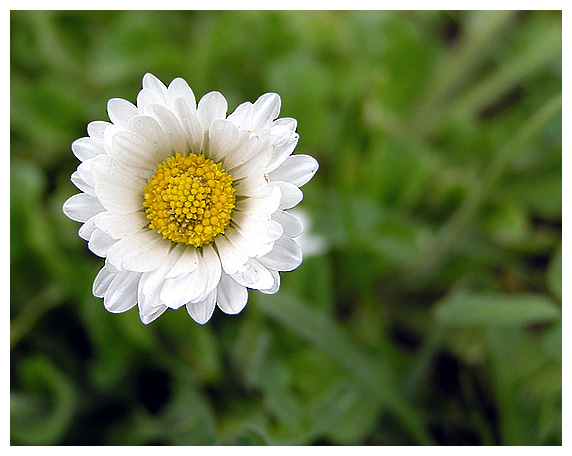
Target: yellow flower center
189, 199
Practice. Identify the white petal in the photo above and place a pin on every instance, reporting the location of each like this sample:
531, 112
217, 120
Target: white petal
248, 155
242, 116
121, 111
86, 148
134, 152
147, 314
232, 259
254, 185
262, 249
285, 256
211, 106
214, 269
203, 310
122, 292
87, 229
120, 225
158, 147
81, 184
187, 262
85, 174
240, 243
249, 225
178, 88
287, 122
152, 83
100, 243
264, 111
177, 291
118, 189
141, 252
196, 285
81, 207
261, 206
231, 296
255, 219
147, 258
223, 139
187, 115
274, 288
152, 282
102, 281
255, 276
291, 195
274, 232
252, 168
193, 287
171, 126
149, 255
292, 227
148, 97
261, 239
250, 246
296, 169
96, 129
282, 149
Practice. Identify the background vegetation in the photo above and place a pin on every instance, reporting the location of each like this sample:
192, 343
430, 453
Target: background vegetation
433, 315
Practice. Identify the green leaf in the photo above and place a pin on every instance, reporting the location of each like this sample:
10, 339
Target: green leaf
342, 413
376, 377
42, 410
489, 309
330, 406
248, 435
184, 428
524, 380
507, 224
275, 380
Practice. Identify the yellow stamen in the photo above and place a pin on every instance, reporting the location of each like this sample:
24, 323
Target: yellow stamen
189, 199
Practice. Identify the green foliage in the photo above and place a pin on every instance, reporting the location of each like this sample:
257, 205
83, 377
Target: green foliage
496, 310
433, 314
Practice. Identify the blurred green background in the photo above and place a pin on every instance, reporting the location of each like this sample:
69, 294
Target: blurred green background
432, 315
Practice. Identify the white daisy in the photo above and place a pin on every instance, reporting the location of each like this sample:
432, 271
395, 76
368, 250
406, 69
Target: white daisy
188, 206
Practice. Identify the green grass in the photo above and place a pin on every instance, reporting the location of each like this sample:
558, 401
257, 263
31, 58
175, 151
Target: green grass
433, 316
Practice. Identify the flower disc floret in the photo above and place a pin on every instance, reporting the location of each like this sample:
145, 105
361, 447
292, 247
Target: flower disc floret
189, 199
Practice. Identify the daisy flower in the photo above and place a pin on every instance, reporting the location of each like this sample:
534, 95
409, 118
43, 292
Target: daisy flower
189, 206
